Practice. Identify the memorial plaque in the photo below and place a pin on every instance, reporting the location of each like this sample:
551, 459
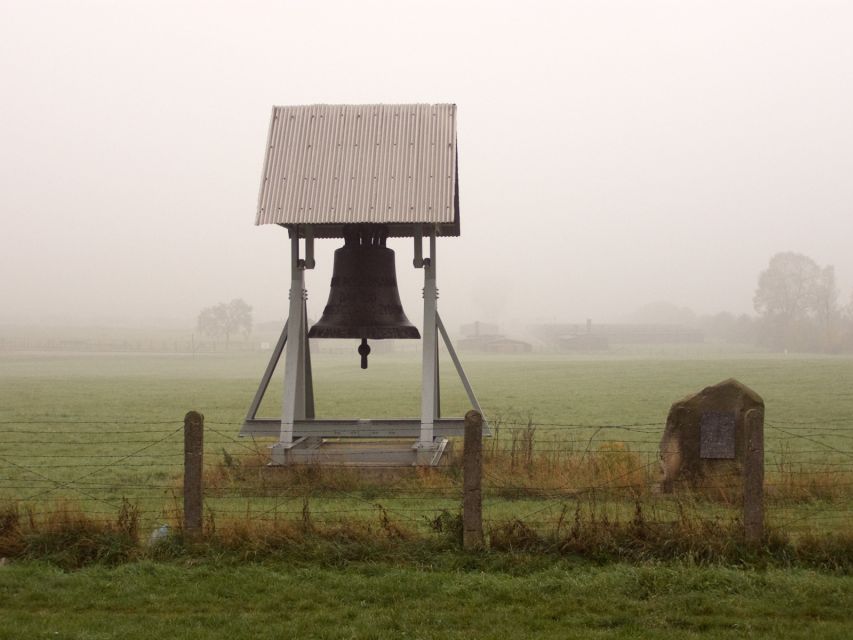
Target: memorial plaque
705, 435
717, 435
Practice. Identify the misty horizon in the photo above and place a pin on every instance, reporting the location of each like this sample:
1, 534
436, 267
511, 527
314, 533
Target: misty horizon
611, 155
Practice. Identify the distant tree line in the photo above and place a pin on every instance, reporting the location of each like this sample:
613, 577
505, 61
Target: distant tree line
798, 307
797, 302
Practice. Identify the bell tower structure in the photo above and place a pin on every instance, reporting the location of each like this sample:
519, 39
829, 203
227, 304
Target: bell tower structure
362, 173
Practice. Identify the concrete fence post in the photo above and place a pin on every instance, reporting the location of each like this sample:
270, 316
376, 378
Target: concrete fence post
193, 468
472, 477
753, 476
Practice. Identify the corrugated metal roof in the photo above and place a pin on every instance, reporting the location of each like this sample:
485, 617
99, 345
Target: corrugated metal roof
391, 164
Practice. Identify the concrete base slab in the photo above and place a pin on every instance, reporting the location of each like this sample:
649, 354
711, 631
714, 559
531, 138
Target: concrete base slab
360, 453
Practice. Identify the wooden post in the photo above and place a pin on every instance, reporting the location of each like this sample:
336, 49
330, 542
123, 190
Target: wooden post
472, 475
193, 467
753, 477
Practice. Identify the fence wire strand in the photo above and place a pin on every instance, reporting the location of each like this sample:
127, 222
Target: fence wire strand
532, 470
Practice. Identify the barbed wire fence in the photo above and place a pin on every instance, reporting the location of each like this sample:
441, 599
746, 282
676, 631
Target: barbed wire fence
540, 476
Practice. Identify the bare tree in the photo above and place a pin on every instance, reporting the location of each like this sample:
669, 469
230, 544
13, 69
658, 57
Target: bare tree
226, 319
798, 302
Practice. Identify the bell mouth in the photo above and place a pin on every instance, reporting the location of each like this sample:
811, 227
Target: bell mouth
369, 333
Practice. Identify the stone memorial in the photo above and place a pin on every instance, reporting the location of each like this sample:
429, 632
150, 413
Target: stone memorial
706, 434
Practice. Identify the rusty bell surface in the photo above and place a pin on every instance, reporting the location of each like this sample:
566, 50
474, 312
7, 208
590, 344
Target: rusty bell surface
364, 302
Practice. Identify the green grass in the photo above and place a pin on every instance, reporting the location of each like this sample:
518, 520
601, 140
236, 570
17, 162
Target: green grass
110, 390
371, 586
376, 600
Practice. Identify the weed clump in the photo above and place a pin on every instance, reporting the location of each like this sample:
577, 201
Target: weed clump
66, 536
448, 526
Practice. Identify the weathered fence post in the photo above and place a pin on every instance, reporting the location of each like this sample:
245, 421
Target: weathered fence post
753, 476
193, 467
472, 476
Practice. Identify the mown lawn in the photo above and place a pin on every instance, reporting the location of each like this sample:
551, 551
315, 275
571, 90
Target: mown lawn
571, 600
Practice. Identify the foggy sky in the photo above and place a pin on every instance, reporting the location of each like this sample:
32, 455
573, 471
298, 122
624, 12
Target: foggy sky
611, 154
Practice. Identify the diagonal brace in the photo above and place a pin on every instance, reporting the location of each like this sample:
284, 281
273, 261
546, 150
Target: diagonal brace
265, 380
468, 389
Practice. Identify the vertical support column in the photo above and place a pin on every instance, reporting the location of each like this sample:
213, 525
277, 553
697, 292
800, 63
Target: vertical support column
293, 400
429, 372
309, 380
193, 465
753, 477
437, 401
418, 260
302, 342
472, 477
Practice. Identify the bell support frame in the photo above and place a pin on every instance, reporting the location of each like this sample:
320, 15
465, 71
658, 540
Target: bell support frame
301, 436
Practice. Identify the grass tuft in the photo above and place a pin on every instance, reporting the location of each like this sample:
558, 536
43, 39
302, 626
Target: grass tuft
66, 536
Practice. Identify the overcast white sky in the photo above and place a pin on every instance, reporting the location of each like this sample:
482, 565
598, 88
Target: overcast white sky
611, 153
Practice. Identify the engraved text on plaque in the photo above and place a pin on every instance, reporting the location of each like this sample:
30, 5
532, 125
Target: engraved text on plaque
717, 435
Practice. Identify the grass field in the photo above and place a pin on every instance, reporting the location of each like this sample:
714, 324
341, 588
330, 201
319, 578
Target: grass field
88, 427
87, 430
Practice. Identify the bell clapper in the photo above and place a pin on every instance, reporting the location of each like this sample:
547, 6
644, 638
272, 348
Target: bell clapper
364, 351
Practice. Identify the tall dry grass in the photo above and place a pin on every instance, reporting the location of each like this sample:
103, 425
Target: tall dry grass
64, 534
518, 461
67, 537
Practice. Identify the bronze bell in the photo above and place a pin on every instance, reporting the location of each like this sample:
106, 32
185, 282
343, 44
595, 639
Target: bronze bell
364, 302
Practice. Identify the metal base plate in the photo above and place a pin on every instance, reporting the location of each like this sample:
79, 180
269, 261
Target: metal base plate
341, 452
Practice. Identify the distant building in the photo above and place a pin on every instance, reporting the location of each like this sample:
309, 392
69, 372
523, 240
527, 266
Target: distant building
494, 344
583, 342
589, 337
485, 337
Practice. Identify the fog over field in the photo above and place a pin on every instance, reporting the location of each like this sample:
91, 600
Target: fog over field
612, 153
